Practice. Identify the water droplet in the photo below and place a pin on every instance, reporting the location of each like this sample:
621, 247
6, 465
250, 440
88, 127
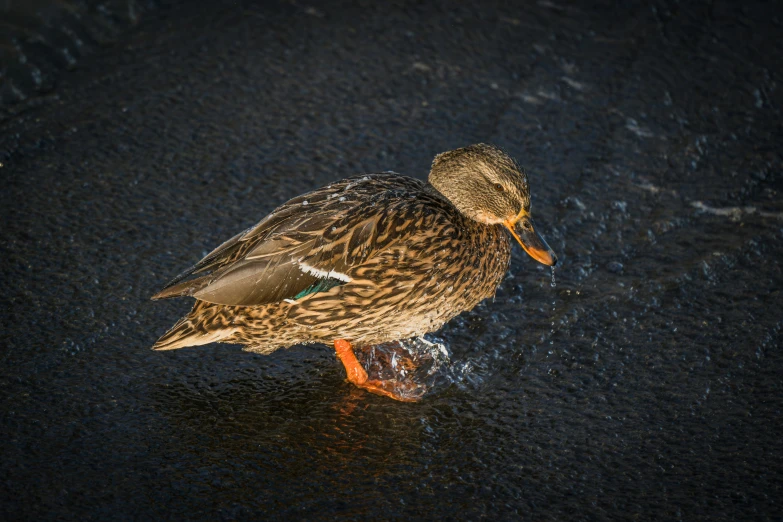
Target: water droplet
554, 284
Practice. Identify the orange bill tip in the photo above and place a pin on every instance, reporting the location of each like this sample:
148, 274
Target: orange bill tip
532, 243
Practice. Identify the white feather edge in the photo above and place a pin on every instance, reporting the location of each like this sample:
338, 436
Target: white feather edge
323, 274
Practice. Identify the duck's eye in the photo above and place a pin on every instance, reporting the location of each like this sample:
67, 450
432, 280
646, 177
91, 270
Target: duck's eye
499, 187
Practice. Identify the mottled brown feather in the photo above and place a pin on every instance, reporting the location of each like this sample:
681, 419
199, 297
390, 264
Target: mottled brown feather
407, 259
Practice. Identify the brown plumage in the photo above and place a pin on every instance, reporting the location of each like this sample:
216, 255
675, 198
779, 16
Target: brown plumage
368, 259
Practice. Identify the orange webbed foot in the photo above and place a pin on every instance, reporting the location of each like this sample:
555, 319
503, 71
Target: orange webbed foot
353, 369
404, 392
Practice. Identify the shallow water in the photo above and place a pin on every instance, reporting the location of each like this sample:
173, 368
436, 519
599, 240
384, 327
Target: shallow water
646, 383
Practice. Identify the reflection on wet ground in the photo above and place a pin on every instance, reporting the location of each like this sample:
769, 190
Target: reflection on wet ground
646, 383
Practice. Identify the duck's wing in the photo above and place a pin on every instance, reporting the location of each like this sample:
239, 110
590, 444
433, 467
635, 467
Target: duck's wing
309, 244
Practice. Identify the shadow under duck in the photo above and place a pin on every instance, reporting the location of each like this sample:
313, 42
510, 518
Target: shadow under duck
363, 261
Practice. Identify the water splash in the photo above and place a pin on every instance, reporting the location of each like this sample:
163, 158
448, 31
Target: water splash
412, 365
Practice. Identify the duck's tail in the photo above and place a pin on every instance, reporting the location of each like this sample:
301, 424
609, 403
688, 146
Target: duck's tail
195, 329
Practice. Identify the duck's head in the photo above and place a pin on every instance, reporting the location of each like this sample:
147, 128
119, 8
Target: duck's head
486, 185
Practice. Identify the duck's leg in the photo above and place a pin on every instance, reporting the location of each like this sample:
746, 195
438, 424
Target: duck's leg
358, 377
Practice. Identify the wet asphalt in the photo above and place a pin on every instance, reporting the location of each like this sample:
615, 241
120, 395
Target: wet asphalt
647, 384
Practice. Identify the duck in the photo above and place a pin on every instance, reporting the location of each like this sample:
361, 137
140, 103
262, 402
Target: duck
370, 259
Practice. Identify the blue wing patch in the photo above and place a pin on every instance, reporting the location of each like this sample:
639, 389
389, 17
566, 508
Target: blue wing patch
322, 285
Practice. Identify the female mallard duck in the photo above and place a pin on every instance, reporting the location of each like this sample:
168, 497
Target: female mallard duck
363, 261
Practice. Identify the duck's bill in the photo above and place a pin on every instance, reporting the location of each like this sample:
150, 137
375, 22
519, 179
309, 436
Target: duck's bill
531, 241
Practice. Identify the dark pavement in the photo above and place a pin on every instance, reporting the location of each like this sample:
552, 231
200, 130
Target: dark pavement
647, 384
